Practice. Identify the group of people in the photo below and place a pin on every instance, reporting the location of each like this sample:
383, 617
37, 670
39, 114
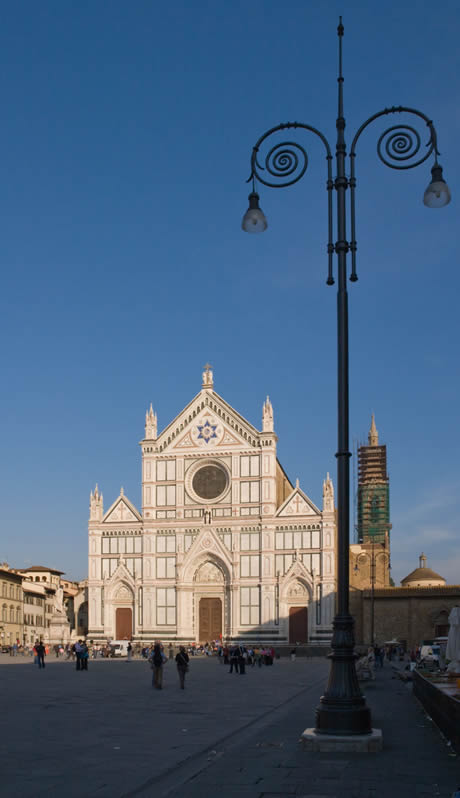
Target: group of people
158, 658
238, 657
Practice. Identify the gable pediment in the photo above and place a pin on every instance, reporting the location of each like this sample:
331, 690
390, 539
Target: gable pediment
297, 571
208, 424
206, 545
121, 575
297, 504
122, 511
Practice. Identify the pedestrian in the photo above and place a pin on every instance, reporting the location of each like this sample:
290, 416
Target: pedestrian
243, 658
182, 662
130, 651
157, 660
233, 659
77, 651
293, 655
170, 652
84, 656
226, 653
40, 649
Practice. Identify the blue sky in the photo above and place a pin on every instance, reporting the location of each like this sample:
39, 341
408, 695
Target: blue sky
126, 135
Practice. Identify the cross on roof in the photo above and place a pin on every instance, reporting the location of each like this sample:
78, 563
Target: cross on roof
297, 501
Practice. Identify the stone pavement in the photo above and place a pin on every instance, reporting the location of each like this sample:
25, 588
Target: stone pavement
107, 733
271, 762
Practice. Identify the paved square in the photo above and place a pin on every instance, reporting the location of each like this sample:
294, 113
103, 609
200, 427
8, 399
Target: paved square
108, 733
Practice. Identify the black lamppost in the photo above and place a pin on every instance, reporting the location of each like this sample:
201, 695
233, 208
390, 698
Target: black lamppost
342, 708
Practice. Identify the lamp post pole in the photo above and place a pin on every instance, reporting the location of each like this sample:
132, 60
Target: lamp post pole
372, 591
342, 708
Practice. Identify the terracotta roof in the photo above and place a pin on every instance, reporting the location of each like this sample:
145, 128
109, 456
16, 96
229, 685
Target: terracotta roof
42, 568
421, 575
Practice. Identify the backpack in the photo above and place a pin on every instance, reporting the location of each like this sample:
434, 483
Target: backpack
158, 659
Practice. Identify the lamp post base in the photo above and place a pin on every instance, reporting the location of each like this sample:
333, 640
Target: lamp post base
342, 709
358, 743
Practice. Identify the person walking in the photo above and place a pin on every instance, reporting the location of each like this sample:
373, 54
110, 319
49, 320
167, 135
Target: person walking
242, 659
130, 652
77, 651
233, 660
157, 660
84, 656
182, 662
40, 649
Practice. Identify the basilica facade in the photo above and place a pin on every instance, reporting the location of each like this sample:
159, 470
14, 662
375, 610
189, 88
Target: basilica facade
224, 547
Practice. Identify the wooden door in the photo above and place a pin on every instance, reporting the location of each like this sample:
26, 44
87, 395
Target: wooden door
298, 625
124, 623
210, 619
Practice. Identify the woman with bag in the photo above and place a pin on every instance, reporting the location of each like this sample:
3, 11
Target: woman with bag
182, 661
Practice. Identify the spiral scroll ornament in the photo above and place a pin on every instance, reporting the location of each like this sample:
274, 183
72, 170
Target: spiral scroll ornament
400, 144
287, 162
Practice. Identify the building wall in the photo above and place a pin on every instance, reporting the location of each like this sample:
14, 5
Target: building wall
34, 615
11, 612
406, 614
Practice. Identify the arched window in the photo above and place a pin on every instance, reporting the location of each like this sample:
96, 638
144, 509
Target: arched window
441, 624
4, 614
11, 614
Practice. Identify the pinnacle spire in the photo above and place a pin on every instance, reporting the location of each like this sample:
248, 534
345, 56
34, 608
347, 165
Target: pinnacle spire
151, 424
373, 436
267, 416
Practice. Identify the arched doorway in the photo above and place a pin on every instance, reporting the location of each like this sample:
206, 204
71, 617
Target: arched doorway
297, 598
298, 624
210, 619
124, 623
123, 605
209, 596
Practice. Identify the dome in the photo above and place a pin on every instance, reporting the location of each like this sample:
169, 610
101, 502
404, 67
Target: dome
423, 576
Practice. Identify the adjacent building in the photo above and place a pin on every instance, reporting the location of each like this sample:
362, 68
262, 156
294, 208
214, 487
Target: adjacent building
12, 614
416, 611
224, 545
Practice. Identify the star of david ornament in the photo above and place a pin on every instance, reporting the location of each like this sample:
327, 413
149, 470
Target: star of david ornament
207, 431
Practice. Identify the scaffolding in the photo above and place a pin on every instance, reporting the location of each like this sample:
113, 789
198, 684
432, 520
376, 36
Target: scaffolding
373, 496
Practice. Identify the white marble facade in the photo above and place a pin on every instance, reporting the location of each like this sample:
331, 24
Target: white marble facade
224, 544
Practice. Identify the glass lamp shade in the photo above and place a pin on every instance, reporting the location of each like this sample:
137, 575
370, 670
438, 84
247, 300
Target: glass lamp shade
254, 220
437, 194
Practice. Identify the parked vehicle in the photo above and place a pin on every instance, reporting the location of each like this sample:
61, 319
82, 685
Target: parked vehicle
429, 653
119, 648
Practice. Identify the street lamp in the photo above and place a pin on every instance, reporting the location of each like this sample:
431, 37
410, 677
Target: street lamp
372, 557
342, 709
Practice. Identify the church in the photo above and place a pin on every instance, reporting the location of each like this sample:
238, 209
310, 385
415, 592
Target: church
224, 546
